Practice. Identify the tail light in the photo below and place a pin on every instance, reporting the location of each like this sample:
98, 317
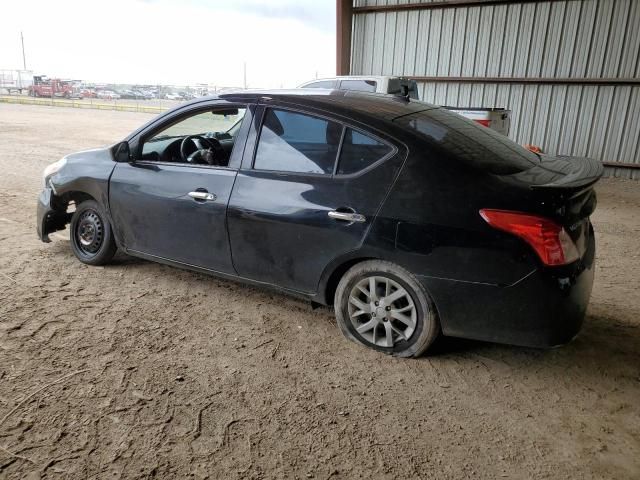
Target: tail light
550, 241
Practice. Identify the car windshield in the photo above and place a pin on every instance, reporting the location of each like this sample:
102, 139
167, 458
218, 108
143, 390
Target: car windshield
472, 143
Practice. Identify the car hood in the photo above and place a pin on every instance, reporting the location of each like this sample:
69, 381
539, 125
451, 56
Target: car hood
97, 154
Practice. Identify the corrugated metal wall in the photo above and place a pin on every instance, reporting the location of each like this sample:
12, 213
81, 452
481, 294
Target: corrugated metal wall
559, 39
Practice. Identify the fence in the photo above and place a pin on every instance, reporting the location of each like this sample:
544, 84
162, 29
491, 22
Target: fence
125, 105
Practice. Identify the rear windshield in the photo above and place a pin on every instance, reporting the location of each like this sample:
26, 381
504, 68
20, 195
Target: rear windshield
472, 143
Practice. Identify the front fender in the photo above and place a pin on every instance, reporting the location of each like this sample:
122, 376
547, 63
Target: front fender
85, 175
87, 172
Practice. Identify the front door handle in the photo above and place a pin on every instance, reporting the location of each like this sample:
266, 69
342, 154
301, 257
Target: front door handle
346, 216
205, 196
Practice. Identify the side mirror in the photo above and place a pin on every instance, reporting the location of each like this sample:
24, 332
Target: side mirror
121, 152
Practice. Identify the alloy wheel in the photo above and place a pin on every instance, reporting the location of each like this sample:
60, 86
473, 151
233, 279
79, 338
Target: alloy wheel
382, 311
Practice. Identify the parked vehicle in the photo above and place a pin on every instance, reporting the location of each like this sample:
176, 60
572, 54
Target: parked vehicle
16, 80
498, 119
88, 93
408, 219
373, 84
108, 94
173, 96
130, 94
44, 86
143, 95
76, 93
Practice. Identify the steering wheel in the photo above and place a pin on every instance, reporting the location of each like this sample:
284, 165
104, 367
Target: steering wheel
208, 150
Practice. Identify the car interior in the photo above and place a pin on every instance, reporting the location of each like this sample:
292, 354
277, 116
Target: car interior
206, 138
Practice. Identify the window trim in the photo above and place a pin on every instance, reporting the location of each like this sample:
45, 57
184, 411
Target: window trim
169, 122
392, 152
261, 118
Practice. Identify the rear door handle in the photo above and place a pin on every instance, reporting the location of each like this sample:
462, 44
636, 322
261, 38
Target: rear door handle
206, 196
346, 216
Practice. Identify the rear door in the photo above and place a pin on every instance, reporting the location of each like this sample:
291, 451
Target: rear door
306, 194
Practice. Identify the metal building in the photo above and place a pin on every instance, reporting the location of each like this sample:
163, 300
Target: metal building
568, 69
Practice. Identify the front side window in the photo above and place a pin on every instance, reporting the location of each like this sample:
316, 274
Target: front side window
296, 142
359, 151
359, 85
210, 136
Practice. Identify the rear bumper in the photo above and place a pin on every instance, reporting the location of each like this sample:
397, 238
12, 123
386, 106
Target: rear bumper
48, 219
544, 309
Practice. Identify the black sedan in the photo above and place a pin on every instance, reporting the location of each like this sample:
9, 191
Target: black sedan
410, 220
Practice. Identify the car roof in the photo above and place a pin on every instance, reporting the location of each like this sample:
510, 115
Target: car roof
381, 106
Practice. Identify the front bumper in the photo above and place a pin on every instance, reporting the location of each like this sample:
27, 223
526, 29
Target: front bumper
48, 218
544, 309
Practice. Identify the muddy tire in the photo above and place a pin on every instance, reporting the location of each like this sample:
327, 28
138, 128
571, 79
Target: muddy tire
91, 235
384, 307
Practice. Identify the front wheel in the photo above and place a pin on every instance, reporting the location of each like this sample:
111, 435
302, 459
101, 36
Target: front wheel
91, 235
384, 307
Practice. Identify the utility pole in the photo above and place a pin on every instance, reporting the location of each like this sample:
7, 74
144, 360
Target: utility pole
245, 75
24, 59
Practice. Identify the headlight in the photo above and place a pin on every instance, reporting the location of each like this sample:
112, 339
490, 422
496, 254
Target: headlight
53, 169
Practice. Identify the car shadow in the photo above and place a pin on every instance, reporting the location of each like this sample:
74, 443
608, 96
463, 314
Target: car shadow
608, 346
609, 340
123, 259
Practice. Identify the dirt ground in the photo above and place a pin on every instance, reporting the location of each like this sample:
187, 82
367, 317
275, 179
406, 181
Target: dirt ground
138, 370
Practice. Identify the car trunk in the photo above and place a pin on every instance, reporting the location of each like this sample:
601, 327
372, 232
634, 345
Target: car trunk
564, 186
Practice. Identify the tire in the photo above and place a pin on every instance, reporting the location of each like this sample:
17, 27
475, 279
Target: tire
410, 337
91, 235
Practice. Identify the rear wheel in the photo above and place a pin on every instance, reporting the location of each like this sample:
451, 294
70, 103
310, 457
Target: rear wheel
91, 235
383, 306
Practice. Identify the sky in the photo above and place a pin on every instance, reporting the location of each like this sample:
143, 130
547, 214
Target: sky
283, 42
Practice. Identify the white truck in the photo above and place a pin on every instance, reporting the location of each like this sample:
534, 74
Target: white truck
15, 81
497, 119
373, 84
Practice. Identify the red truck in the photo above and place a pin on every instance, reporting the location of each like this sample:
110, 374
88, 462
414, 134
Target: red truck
51, 87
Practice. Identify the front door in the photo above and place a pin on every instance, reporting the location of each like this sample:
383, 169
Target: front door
171, 202
309, 196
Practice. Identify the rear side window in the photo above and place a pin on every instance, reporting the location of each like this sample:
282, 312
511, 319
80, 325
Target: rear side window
295, 142
359, 85
360, 151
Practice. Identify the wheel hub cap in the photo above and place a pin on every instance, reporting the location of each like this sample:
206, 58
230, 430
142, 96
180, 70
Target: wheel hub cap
87, 234
90, 232
382, 311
